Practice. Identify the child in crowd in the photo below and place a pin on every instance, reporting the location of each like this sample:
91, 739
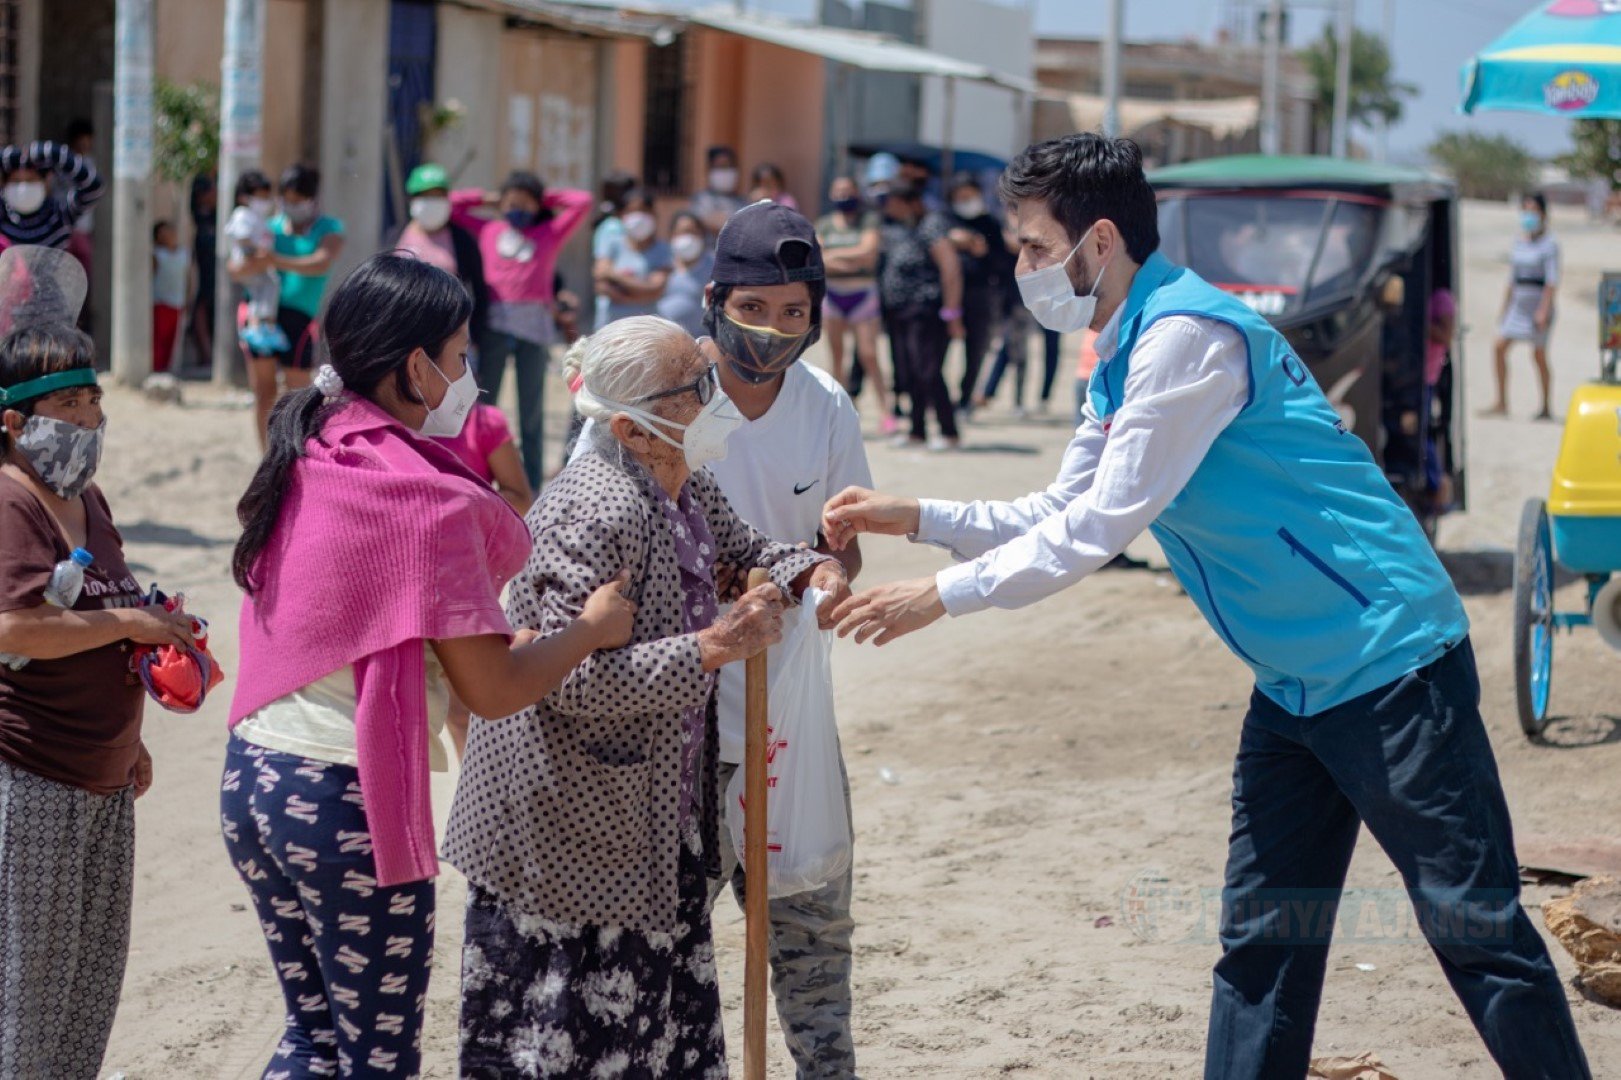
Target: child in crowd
171, 280
486, 446
248, 229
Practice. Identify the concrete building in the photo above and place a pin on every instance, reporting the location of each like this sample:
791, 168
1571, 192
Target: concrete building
999, 34
367, 89
1181, 100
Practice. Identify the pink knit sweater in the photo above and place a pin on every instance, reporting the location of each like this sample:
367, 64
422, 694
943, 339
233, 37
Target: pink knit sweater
385, 541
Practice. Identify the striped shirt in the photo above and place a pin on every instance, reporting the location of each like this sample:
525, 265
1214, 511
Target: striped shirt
78, 188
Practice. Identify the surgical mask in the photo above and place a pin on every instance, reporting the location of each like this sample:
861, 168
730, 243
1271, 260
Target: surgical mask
688, 247
25, 196
640, 226
847, 206
1052, 300
300, 213
446, 419
521, 219
758, 354
63, 455
430, 212
723, 180
262, 208
705, 440
1531, 221
968, 209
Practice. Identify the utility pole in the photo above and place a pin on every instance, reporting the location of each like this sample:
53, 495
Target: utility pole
1345, 29
1111, 68
1390, 51
241, 144
1271, 141
132, 183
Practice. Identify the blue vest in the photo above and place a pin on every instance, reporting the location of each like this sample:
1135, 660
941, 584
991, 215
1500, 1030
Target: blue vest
1288, 537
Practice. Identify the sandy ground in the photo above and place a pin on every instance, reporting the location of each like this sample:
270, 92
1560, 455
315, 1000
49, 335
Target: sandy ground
1033, 871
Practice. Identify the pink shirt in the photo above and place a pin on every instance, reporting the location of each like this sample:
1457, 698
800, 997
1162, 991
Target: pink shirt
485, 432
528, 277
436, 249
1442, 306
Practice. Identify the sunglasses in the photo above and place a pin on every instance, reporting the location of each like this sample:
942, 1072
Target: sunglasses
704, 386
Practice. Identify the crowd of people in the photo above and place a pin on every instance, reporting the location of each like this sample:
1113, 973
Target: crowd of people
598, 709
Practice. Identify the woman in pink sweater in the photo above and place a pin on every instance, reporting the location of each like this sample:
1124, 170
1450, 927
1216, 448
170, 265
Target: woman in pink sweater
373, 562
520, 231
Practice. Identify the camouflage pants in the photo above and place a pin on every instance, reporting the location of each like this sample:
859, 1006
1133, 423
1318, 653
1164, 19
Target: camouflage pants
810, 962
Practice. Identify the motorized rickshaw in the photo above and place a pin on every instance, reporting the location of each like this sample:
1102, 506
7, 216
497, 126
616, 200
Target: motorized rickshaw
1343, 257
1577, 528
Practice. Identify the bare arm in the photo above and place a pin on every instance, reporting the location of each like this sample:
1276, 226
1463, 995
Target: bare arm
860, 259
50, 633
494, 678
945, 258
849, 556
506, 465
642, 290
315, 264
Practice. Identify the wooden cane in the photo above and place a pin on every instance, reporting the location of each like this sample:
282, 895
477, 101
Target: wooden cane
755, 870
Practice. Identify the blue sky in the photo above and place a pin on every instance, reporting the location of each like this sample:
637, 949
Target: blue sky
1433, 39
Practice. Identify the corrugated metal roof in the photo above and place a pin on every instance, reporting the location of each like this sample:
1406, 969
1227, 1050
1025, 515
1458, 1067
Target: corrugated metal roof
639, 21
857, 48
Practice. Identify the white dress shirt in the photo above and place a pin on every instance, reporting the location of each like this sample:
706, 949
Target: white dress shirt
1189, 379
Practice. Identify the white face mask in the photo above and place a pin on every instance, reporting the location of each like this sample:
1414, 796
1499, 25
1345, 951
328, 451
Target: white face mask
723, 180
687, 247
25, 196
263, 208
969, 209
445, 420
705, 440
430, 212
640, 226
1051, 298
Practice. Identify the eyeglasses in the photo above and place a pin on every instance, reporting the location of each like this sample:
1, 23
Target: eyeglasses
703, 386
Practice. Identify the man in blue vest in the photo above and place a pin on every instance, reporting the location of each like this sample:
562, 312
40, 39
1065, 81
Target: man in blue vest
1204, 427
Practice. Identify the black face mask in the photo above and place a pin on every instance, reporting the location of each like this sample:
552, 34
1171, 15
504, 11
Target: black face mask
847, 206
758, 354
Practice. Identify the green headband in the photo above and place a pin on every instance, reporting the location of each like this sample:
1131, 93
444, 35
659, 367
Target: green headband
46, 384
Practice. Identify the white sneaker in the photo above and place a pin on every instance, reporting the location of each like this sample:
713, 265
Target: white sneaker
903, 439
939, 444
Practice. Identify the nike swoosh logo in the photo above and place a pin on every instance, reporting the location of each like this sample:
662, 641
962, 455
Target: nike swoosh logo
801, 489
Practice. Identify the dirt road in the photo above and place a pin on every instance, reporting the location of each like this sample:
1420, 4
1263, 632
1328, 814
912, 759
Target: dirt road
1036, 878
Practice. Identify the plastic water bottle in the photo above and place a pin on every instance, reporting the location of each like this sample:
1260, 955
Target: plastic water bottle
67, 582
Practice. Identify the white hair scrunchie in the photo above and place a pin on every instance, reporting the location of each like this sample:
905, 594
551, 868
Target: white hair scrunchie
329, 382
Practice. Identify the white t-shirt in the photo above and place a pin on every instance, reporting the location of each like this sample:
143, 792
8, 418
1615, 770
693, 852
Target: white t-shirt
778, 472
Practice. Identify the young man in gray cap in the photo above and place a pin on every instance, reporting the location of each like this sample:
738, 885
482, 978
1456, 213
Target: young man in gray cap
800, 441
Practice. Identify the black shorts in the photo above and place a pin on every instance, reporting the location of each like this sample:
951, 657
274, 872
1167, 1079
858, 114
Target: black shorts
302, 331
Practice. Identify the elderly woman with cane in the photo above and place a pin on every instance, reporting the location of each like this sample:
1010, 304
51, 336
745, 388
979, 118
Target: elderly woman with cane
586, 826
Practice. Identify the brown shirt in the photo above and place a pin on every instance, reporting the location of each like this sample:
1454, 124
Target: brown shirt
76, 720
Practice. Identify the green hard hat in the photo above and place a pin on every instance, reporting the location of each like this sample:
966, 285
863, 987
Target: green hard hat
428, 177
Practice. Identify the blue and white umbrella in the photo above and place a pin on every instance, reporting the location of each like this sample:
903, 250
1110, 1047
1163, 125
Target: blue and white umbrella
1563, 59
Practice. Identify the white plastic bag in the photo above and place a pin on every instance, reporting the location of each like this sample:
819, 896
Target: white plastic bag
808, 835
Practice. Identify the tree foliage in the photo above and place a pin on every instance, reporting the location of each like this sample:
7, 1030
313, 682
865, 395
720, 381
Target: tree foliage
1485, 166
1597, 152
1375, 93
186, 130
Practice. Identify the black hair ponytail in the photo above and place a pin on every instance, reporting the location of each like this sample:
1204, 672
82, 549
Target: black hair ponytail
387, 309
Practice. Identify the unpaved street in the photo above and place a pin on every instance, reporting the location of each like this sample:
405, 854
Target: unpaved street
1032, 876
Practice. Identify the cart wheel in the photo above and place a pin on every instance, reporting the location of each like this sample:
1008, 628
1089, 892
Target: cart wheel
1533, 618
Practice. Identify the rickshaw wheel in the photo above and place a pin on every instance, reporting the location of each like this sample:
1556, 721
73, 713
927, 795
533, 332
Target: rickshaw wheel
1533, 618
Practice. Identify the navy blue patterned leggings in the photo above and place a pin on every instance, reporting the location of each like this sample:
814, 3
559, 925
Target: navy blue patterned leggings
353, 958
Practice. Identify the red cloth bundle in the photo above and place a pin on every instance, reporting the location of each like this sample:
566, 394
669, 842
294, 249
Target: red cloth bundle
179, 678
